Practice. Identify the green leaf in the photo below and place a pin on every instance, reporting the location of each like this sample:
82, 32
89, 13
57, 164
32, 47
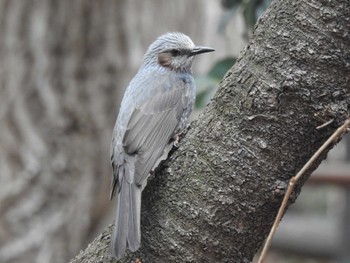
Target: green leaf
206, 87
221, 67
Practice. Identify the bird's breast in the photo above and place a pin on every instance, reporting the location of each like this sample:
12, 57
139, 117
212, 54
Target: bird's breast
186, 78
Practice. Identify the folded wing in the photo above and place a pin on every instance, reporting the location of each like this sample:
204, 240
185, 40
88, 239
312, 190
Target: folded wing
151, 126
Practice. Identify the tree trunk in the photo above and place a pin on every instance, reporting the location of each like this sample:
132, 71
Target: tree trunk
63, 64
215, 198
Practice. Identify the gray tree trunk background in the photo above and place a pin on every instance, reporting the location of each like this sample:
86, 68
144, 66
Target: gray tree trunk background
63, 67
215, 198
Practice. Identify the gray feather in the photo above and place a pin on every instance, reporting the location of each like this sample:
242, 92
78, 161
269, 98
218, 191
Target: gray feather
150, 126
127, 231
119, 236
155, 107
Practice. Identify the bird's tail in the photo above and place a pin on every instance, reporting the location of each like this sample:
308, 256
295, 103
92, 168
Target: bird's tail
127, 232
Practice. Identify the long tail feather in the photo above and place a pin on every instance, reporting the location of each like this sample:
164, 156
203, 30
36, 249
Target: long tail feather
127, 232
134, 230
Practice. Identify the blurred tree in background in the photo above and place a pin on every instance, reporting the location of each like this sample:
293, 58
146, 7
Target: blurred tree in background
64, 66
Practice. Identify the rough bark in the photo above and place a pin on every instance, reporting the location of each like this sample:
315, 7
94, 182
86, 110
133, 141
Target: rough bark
63, 65
215, 198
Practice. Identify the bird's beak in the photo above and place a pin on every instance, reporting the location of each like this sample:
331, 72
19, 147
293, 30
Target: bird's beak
198, 50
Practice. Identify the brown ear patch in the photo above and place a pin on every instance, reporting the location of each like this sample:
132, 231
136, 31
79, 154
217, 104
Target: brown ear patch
165, 59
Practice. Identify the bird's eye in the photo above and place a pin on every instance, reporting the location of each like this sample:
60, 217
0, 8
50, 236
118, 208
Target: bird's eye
175, 52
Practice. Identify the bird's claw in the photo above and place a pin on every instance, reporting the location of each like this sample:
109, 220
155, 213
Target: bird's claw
176, 141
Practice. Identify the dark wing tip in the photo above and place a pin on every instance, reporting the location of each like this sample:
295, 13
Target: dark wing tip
114, 184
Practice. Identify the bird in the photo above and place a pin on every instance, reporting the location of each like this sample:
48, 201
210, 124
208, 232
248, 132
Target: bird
154, 110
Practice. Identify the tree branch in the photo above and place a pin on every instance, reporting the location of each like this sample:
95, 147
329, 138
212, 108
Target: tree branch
216, 198
336, 137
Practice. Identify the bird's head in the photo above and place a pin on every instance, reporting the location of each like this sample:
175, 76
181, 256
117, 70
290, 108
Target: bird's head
175, 51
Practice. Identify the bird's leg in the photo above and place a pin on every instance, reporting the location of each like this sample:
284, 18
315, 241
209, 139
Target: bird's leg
176, 140
179, 135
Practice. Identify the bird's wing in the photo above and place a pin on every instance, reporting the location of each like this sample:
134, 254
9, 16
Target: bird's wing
151, 126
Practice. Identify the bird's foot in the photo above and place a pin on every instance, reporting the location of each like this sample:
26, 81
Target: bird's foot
176, 141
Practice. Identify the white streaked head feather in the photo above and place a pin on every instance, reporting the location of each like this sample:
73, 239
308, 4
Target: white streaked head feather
167, 42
